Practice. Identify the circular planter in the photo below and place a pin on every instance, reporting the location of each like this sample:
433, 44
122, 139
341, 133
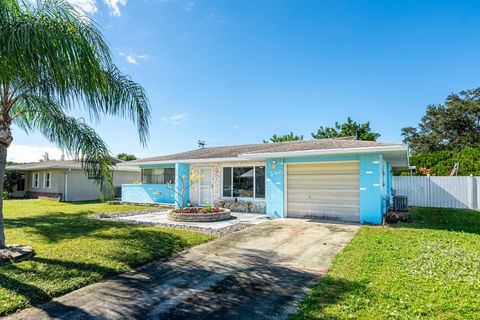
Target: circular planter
199, 217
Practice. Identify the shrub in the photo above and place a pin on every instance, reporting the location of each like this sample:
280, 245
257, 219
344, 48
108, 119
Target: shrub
441, 163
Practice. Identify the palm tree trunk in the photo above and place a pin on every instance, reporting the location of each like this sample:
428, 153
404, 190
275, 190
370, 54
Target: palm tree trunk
3, 164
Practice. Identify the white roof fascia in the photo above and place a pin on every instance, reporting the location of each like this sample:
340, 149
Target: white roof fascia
286, 154
205, 160
301, 153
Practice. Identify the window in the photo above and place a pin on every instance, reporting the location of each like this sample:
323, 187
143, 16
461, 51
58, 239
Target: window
36, 180
47, 180
158, 176
244, 182
93, 176
21, 182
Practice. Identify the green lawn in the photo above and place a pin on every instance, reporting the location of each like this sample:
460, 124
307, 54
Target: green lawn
429, 269
73, 251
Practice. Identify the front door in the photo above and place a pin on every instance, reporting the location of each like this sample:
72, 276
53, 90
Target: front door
206, 186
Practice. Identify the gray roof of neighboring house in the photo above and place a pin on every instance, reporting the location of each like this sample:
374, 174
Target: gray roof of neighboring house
236, 151
56, 164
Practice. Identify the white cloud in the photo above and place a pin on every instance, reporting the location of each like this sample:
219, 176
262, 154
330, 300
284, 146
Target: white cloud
85, 6
90, 6
215, 18
175, 119
115, 5
130, 59
133, 58
25, 153
189, 6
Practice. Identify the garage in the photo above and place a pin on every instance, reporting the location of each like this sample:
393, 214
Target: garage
323, 190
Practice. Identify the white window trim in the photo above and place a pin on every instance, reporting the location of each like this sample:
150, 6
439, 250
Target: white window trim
36, 174
49, 180
254, 198
163, 175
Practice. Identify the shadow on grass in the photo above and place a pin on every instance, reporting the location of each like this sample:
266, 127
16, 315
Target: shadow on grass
103, 250
35, 294
246, 285
57, 226
457, 220
133, 249
329, 292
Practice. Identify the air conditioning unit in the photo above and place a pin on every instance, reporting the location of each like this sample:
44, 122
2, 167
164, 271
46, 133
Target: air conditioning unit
400, 203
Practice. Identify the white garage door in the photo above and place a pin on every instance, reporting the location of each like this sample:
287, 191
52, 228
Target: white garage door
324, 190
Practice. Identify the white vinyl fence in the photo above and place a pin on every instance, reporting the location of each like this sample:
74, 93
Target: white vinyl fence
440, 192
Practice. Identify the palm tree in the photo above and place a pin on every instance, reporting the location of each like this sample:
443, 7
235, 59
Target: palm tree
54, 59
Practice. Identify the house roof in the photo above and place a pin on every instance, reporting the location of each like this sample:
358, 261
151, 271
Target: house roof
58, 164
280, 149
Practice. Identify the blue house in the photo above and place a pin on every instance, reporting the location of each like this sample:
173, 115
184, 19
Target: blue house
342, 178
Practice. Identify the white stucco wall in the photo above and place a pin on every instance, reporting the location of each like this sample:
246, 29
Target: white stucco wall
79, 187
217, 178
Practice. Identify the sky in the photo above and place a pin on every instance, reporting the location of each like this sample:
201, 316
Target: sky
236, 72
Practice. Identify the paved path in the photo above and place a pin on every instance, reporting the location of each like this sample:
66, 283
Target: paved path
257, 273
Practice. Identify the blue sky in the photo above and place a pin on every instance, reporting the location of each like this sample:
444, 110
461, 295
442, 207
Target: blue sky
234, 72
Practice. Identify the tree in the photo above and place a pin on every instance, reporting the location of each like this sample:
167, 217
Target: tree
360, 131
11, 179
126, 156
283, 138
441, 163
179, 195
52, 60
45, 157
452, 126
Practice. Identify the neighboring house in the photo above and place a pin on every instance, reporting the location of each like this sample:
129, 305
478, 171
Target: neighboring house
328, 178
64, 180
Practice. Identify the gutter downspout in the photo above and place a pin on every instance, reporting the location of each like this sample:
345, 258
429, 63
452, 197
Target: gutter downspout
65, 193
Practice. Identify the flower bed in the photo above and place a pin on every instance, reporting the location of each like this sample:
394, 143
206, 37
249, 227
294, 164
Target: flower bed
206, 214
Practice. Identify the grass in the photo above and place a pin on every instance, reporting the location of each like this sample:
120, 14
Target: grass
426, 269
73, 251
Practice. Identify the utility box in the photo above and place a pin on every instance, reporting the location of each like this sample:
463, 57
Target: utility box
400, 203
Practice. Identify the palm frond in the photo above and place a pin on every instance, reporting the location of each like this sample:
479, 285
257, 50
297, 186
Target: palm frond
52, 51
74, 135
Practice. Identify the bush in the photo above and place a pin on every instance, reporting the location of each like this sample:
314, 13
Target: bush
441, 163
5, 195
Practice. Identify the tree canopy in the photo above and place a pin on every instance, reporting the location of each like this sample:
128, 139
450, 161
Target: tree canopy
282, 138
450, 126
53, 59
126, 156
361, 131
440, 163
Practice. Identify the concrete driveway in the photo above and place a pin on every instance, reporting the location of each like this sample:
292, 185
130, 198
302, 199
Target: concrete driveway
258, 273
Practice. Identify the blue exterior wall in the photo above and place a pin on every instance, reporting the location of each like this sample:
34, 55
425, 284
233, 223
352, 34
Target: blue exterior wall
389, 183
275, 187
159, 193
375, 185
373, 190
182, 171
371, 197
147, 193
